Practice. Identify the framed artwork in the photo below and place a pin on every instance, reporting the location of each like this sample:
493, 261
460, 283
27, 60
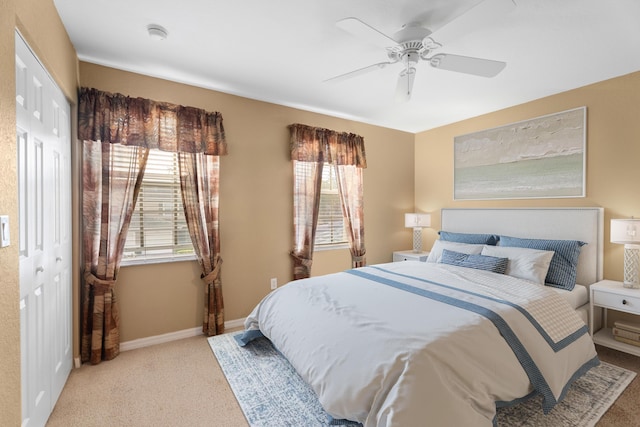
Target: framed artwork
543, 157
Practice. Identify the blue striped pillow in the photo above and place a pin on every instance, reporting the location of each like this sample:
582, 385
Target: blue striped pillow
471, 238
563, 268
480, 262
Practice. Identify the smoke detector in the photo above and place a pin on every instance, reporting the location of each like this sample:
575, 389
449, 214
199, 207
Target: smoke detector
157, 32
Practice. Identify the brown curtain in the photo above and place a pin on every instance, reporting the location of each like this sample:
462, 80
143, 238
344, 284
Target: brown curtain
315, 146
114, 126
119, 119
346, 153
112, 175
199, 181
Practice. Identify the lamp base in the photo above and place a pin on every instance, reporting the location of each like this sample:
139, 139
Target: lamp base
417, 240
631, 263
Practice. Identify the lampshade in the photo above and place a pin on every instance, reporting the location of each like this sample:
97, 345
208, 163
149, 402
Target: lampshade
625, 231
417, 220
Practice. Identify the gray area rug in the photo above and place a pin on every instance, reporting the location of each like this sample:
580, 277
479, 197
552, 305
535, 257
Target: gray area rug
271, 393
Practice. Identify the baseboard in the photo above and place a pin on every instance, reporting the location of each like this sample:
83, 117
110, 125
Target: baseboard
172, 336
232, 324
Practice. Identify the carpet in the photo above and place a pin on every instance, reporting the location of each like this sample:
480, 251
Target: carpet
271, 393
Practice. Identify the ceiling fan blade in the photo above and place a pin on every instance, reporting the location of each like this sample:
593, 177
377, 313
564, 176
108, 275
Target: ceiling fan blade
405, 84
358, 72
467, 64
365, 32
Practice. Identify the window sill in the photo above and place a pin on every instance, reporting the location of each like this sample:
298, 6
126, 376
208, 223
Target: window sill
321, 248
159, 260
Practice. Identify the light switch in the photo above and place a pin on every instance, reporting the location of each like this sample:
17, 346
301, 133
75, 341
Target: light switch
4, 231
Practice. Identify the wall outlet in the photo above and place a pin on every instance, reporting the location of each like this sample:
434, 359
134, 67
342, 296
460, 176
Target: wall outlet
274, 282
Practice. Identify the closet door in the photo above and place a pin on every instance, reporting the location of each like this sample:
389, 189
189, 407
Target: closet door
44, 240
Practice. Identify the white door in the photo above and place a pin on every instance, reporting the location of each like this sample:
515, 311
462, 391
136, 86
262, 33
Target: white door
44, 185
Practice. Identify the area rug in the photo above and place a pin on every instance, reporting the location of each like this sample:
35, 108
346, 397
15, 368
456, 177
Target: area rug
271, 393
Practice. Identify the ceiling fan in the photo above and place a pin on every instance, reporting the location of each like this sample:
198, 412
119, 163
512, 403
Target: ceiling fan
409, 46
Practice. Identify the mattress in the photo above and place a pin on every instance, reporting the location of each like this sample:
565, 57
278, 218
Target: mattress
577, 297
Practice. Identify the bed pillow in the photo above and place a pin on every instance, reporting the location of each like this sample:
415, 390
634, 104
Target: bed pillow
472, 238
524, 263
480, 262
439, 245
563, 269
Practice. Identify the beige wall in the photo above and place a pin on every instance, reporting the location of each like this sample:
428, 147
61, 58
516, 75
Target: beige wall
255, 205
39, 24
613, 155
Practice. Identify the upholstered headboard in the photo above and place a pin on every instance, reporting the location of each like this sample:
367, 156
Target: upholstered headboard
585, 224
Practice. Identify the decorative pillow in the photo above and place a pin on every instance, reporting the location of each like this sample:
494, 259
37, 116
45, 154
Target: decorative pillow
482, 239
480, 262
527, 264
563, 269
439, 245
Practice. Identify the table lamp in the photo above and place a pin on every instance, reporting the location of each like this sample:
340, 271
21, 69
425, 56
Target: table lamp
627, 232
417, 221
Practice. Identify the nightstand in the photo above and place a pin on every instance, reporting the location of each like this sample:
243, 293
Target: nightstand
611, 295
410, 256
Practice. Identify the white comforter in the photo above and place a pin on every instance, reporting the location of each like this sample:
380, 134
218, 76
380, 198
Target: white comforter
414, 344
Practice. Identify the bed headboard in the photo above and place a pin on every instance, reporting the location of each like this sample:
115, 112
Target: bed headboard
585, 224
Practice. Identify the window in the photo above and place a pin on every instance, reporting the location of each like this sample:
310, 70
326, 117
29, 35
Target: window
330, 230
158, 230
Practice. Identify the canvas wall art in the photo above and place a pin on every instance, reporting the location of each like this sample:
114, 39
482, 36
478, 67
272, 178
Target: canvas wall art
543, 157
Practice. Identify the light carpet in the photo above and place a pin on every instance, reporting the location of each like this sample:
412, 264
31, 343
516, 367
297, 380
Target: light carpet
270, 392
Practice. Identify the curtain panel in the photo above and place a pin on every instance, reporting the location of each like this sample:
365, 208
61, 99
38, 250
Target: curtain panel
199, 182
112, 175
119, 119
346, 152
117, 127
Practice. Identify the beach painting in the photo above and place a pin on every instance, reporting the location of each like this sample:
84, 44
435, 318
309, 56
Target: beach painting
544, 157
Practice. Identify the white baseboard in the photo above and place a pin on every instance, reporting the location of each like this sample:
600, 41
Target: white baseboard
232, 324
172, 336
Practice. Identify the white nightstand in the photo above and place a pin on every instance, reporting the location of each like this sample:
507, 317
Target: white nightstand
410, 256
611, 295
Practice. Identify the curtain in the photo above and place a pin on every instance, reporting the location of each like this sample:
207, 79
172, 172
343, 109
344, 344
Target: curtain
199, 181
306, 207
118, 119
346, 152
116, 127
112, 175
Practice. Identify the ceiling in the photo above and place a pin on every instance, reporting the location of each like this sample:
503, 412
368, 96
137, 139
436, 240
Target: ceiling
281, 51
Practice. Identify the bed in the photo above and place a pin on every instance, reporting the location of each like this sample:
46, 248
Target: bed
440, 343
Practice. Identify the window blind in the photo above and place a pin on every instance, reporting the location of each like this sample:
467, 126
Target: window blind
331, 228
158, 230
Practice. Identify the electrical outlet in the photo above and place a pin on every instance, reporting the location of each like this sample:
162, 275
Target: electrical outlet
274, 282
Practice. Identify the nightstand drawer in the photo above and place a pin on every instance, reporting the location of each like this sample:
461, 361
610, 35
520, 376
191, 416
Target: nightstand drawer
410, 256
616, 301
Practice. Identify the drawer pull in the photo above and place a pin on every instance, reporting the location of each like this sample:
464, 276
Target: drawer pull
624, 302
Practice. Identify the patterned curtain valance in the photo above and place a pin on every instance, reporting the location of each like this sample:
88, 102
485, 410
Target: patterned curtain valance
311, 144
119, 119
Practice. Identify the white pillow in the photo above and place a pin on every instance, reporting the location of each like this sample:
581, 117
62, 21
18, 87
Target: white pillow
528, 264
465, 248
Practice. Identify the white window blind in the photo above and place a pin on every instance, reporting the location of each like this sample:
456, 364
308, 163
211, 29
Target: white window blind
331, 227
158, 230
